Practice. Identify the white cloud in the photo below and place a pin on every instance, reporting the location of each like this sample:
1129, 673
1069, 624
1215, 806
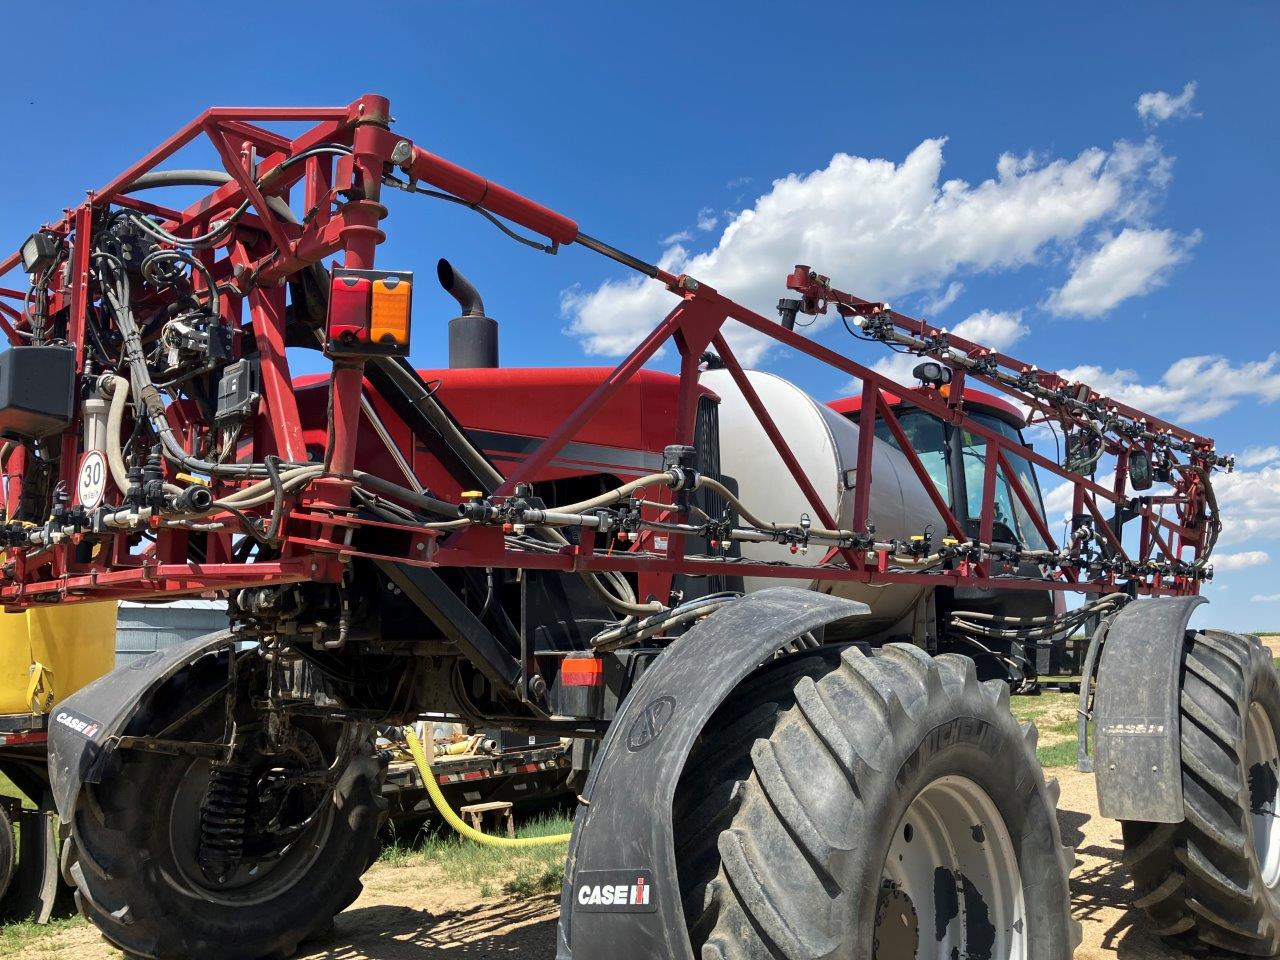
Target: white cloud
1129, 264
1266, 598
682, 236
738, 182
1000, 331
940, 301
1239, 561
885, 229
707, 219
1258, 456
1158, 106
1192, 389
1249, 501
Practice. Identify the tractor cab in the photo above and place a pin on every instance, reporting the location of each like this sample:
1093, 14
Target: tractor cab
956, 460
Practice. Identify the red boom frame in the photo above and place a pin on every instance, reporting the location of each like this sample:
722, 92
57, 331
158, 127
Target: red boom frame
264, 249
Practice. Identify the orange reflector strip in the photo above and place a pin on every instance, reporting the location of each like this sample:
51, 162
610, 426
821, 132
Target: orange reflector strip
582, 672
389, 315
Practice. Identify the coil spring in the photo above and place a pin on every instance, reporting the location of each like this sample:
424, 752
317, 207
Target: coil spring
223, 818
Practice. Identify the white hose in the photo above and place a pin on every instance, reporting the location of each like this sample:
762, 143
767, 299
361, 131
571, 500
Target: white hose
117, 388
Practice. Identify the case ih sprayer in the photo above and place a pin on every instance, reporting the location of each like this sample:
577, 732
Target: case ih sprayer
781, 634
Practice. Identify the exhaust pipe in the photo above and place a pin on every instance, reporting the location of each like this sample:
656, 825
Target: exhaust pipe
473, 337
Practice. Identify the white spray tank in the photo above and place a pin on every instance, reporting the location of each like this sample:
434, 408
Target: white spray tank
826, 445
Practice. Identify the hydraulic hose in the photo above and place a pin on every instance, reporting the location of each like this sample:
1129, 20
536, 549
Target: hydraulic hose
442, 806
119, 393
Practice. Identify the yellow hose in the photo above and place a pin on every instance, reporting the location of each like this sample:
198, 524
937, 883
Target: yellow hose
455, 821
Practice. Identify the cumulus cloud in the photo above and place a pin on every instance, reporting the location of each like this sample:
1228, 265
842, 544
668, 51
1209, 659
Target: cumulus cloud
1159, 106
681, 236
884, 230
707, 219
1239, 561
1250, 504
940, 301
1129, 264
1192, 389
1258, 456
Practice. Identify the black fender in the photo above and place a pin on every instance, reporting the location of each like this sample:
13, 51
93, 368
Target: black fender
84, 729
1137, 730
622, 835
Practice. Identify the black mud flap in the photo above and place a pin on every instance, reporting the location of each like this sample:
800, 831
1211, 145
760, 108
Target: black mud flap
621, 896
1137, 732
85, 727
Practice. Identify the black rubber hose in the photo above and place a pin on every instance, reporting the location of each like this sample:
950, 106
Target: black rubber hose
200, 178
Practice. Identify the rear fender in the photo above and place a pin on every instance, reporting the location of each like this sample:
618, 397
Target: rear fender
623, 836
1137, 730
85, 727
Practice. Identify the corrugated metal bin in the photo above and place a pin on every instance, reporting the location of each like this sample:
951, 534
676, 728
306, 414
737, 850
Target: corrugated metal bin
145, 627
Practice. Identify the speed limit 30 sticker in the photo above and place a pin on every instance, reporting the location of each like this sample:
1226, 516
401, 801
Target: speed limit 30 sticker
93, 479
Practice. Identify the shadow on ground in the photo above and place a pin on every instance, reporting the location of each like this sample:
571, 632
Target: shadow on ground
1101, 897
525, 929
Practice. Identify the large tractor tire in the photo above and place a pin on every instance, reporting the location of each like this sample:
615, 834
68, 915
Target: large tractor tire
1214, 878
137, 838
871, 808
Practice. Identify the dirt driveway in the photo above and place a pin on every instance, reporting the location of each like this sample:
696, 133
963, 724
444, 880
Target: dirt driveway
413, 914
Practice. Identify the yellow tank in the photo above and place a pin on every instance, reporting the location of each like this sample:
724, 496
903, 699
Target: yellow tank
48, 653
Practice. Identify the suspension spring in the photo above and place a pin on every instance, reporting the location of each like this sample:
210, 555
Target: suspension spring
223, 820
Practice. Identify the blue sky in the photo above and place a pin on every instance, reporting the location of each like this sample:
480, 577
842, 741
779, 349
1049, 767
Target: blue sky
1131, 244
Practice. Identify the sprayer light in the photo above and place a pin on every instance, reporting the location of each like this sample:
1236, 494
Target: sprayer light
932, 373
39, 252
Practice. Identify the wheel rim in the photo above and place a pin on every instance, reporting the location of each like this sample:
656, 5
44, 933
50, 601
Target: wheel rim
951, 884
1262, 763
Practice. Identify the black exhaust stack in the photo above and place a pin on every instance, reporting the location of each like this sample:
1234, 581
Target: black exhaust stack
473, 337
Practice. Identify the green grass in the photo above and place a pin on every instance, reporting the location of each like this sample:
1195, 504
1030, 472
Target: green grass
9, 790
1058, 755
525, 870
16, 936
1054, 715
531, 880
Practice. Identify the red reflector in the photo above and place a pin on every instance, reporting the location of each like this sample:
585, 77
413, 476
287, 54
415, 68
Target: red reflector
582, 672
18, 739
349, 307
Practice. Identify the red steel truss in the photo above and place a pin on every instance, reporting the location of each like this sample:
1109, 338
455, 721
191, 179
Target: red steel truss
342, 194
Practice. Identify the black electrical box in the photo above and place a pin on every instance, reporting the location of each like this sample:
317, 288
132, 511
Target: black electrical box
238, 391
37, 391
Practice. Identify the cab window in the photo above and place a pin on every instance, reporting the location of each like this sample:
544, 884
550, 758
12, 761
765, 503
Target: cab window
931, 438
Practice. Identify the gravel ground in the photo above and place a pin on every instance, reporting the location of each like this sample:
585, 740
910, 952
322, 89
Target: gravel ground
415, 914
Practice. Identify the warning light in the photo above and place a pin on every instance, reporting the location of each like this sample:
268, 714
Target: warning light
349, 300
369, 313
392, 299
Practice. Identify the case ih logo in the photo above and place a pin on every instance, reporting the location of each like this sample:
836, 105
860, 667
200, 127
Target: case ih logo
86, 728
616, 891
